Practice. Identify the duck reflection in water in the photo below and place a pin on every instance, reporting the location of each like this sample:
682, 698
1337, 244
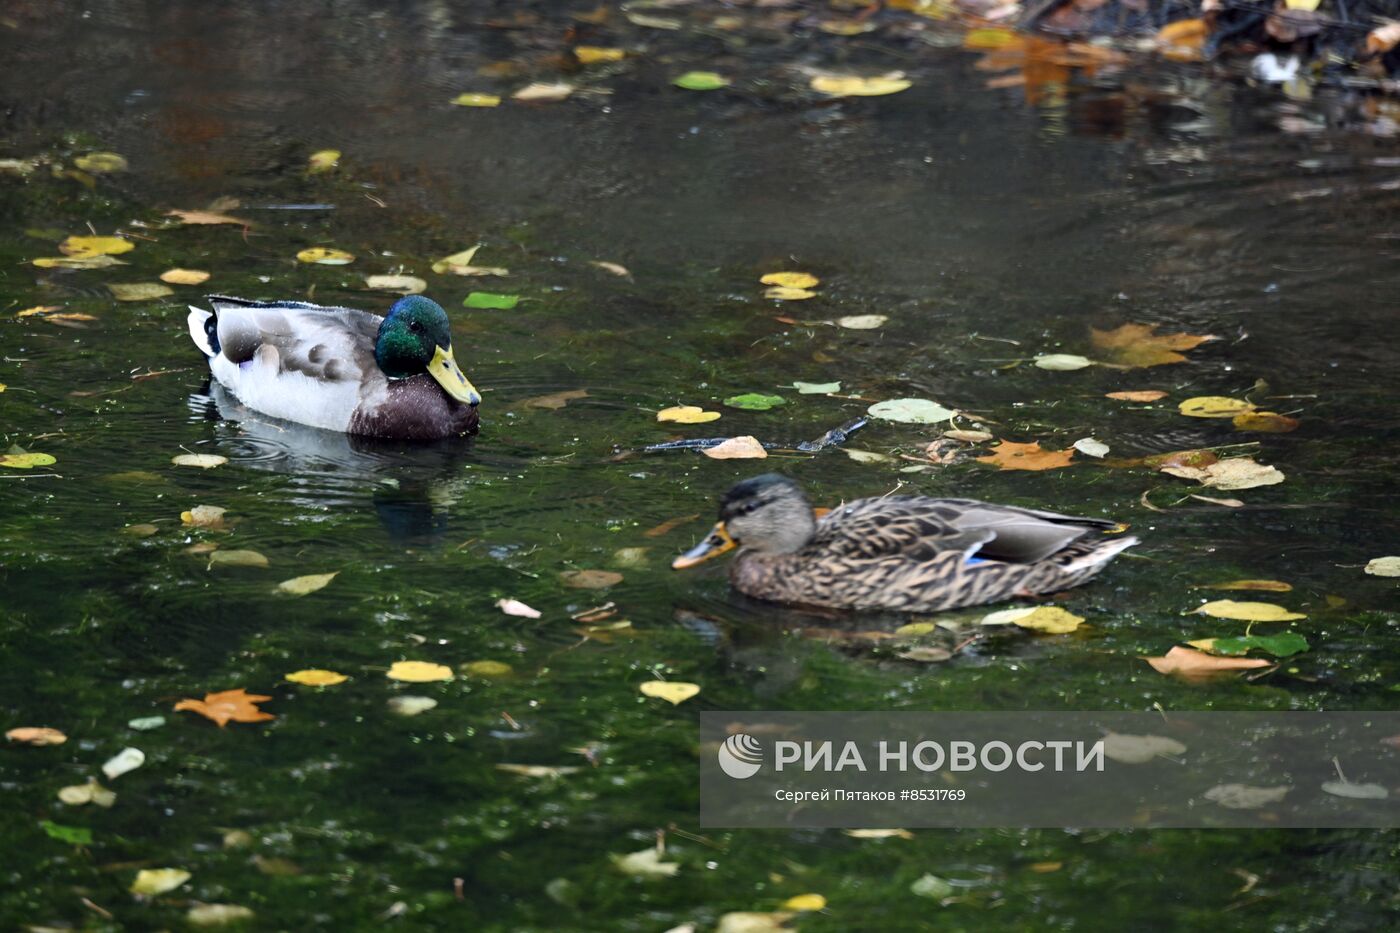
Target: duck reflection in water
413, 487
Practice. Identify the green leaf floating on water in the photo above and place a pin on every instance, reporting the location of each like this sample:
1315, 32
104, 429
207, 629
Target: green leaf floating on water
701, 81
1280, 646
491, 301
78, 835
755, 401
911, 411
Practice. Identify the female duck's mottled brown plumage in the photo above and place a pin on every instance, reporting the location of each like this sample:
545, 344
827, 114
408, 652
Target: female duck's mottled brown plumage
900, 553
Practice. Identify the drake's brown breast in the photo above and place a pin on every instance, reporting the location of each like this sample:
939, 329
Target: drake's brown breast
413, 409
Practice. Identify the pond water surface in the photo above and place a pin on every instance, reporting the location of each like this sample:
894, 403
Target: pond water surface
988, 224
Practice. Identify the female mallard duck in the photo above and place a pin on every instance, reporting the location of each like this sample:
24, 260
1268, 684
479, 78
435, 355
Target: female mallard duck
900, 553
338, 368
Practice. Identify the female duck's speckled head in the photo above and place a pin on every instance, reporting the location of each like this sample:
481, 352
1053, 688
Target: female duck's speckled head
767, 514
416, 338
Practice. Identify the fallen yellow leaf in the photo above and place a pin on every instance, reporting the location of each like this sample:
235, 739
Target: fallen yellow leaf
541, 90
1213, 406
791, 279
782, 293
592, 54
325, 256
418, 672
1052, 620
202, 461
184, 276
487, 668
300, 586
239, 557
316, 677
101, 163
1248, 611
26, 461
854, 86
154, 881
672, 691
805, 902
470, 99
86, 246
324, 161
687, 414
138, 291
76, 262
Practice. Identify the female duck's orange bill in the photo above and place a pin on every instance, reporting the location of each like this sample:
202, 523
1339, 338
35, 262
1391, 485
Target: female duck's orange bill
715, 544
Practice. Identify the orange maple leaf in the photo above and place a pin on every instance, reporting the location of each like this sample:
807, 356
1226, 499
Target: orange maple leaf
1138, 346
228, 706
1009, 455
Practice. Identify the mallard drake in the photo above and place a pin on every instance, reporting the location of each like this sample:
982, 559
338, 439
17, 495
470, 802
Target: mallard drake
339, 368
898, 553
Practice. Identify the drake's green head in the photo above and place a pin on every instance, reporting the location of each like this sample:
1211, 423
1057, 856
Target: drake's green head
415, 338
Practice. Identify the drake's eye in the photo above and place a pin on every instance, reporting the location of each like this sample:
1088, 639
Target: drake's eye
416, 327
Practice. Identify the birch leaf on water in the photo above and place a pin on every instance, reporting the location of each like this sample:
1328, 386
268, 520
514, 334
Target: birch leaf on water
300, 586
153, 881
1248, 611
687, 414
325, 256
791, 279
910, 411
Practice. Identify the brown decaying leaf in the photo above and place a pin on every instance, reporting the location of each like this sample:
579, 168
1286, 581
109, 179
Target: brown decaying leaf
1138, 346
1009, 455
1266, 422
1190, 662
207, 217
228, 706
669, 525
556, 400
1264, 586
590, 579
1182, 458
1234, 473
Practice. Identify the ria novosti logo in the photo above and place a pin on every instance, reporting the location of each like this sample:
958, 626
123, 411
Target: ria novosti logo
741, 756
